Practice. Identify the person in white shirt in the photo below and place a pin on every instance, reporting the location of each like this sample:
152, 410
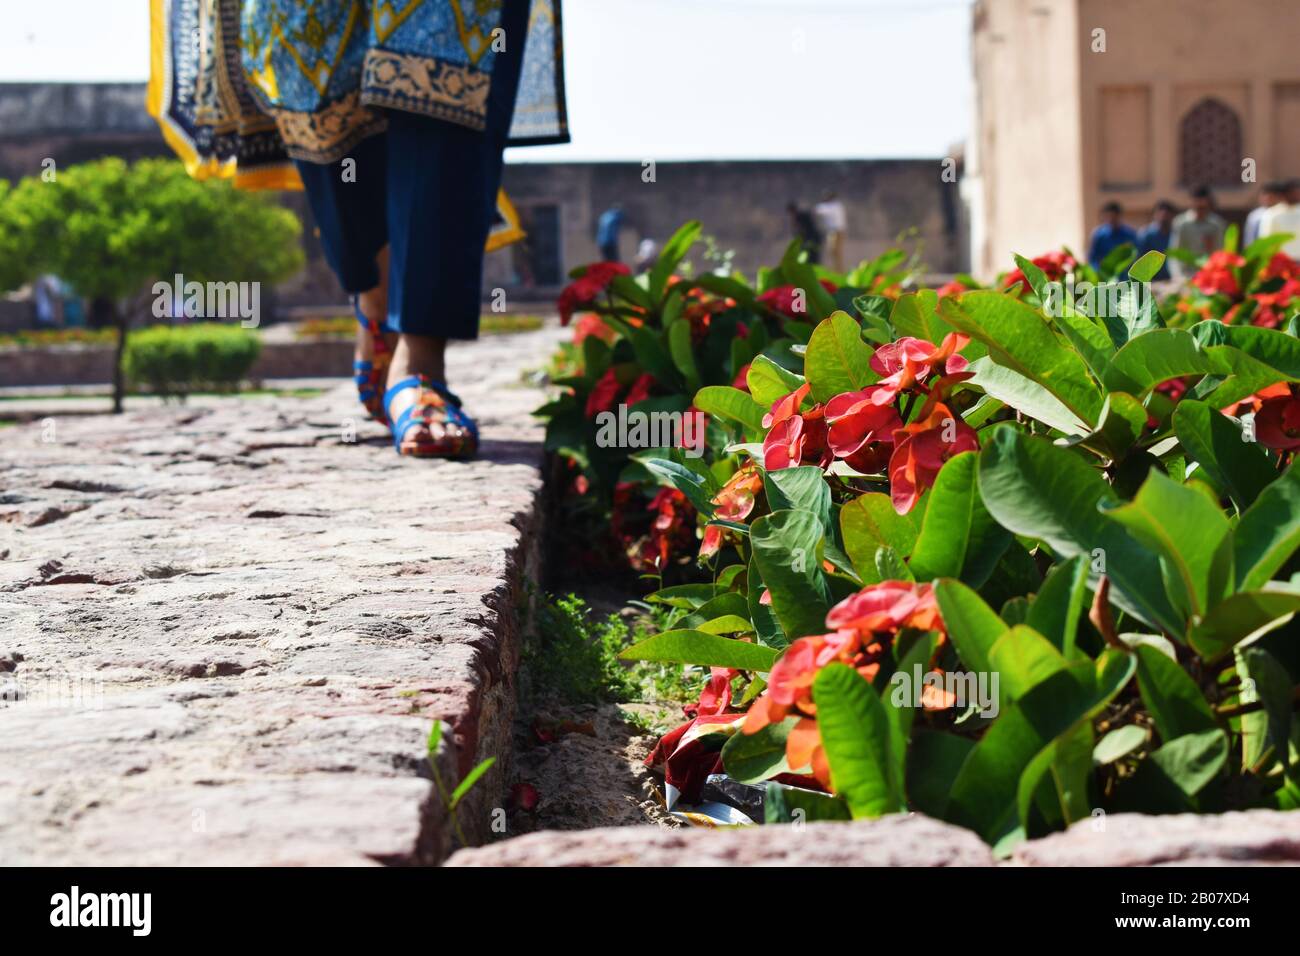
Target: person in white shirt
1199, 230
834, 222
1284, 218
1272, 194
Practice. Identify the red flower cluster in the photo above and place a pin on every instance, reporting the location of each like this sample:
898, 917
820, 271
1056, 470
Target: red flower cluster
584, 290
864, 626
1217, 277
864, 428
604, 394
788, 299
795, 437
1054, 265
735, 502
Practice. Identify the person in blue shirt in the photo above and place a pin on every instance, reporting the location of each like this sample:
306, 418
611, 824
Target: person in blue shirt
1154, 236
608, 227
1111, 234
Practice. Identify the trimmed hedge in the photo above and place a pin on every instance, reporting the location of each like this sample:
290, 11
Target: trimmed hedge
176, 360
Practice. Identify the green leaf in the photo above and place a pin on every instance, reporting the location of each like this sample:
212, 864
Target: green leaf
914, 314
1022, 658
766, 627
1215, 442
987, 796
727, 624
674, 251
1272, 686
697, 647
1122, 422
1034, 488
1015, 390
471, 778
785, 804
1156, 356
1241, 615
751, 758
1170, 696
959, 538
1118, 743
870, 521
802, 488
1184, 526
1019, 338
890, 565
855, 734
689, 596
973, 626
787, 550
769, 383
1268, 532
837, 360
690, 483
435, 738
683, 355
933, 762
1145, 269
1193, 760
731, 404
1056, 608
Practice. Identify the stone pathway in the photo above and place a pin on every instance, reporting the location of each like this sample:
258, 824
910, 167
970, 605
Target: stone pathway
225, 630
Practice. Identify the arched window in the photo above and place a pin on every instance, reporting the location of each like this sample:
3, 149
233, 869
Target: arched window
1210, 145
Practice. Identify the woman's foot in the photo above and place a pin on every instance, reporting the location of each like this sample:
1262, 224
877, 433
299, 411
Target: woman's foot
435, 426
374, 347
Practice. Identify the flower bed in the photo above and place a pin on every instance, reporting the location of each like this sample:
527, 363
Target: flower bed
1009, 556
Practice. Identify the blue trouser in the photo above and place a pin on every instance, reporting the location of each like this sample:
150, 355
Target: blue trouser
427, 189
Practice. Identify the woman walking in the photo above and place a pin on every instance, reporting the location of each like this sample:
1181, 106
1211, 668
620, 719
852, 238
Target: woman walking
393, 115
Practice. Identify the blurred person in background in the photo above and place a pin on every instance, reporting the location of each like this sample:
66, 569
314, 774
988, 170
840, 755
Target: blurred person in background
833, 220
1198, 229
1272, 194
608, 227
1154, 236
1284, 218
804, 227
1110, 235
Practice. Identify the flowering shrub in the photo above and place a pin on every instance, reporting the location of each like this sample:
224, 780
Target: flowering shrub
971, 554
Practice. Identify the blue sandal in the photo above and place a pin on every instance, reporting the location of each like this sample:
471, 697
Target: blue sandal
434, 405
370, 375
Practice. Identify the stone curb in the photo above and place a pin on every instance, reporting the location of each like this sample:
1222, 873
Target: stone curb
229, 628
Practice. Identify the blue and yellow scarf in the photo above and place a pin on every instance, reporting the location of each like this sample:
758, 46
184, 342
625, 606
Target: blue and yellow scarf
241, 87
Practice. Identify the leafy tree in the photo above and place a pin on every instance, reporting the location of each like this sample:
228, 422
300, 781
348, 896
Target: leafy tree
113, 230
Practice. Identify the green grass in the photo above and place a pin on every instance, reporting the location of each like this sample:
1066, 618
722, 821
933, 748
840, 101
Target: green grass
574, 656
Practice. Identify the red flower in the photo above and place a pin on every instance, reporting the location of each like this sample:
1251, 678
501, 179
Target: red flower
604, 394
1216, 276
864, 625
590, 324
1277, 423
1281, 266
857, 423
735, 502
584, 290
950, 288
795, 438
742, 378
887, 607
909, 360
791, 301
922, 448
640, 389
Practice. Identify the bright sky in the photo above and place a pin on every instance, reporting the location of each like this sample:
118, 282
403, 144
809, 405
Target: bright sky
657, 79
